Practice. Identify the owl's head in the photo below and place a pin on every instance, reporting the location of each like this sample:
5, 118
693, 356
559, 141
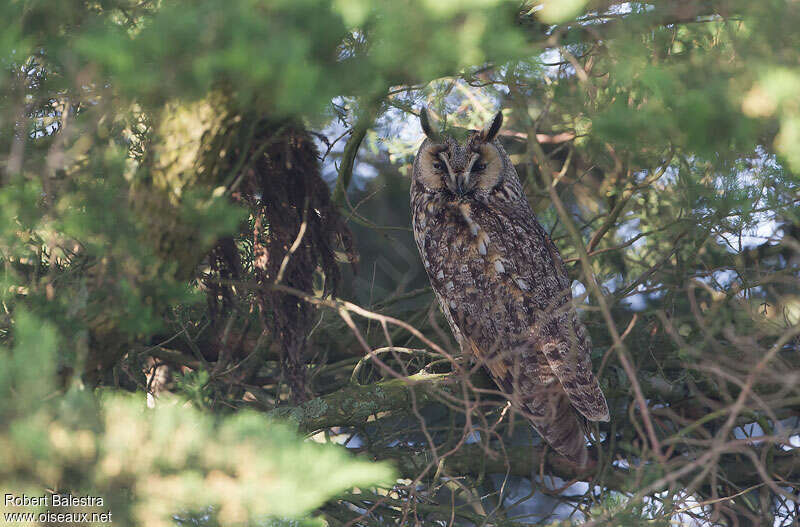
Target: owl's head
462, 167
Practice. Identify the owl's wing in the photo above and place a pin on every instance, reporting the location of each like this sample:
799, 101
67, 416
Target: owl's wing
524, 374
565, 342
545, 360
570, 361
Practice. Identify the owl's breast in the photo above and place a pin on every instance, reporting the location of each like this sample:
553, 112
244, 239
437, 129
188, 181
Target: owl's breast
448, 236
461, 239
490, 270
476, 283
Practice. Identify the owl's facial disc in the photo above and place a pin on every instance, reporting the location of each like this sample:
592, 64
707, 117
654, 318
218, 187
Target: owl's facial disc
460, 169
492, 165
463, 170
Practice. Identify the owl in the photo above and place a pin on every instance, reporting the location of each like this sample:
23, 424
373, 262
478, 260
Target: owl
501, 283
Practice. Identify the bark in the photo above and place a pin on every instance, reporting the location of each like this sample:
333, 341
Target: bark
355, 405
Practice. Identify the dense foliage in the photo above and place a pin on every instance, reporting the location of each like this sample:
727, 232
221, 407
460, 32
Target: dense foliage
206, 256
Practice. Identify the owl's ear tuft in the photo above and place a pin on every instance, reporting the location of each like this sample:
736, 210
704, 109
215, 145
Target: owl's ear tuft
490, 132
430, 131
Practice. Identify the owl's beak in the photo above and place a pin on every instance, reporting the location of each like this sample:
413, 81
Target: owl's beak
462, 178
462, 183
456, 183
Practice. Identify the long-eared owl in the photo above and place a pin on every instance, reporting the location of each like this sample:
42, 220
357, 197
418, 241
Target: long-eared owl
502, 285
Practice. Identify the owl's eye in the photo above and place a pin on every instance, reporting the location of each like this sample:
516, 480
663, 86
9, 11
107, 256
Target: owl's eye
438, 166
479, 166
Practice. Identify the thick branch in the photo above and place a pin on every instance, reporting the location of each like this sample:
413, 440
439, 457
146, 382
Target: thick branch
364, 121
348, 160
356, 404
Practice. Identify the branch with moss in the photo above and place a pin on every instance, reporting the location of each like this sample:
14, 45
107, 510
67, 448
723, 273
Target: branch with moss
357, 404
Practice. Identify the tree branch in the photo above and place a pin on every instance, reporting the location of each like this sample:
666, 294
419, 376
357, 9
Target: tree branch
356, 404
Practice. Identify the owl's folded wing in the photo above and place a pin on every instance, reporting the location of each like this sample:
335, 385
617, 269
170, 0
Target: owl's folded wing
573, 367
528, 379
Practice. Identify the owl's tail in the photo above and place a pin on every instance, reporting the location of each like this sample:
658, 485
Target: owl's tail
560, 426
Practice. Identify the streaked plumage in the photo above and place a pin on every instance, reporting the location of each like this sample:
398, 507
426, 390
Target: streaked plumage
501, 283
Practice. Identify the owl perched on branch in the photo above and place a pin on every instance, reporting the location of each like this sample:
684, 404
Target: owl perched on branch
501, 283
